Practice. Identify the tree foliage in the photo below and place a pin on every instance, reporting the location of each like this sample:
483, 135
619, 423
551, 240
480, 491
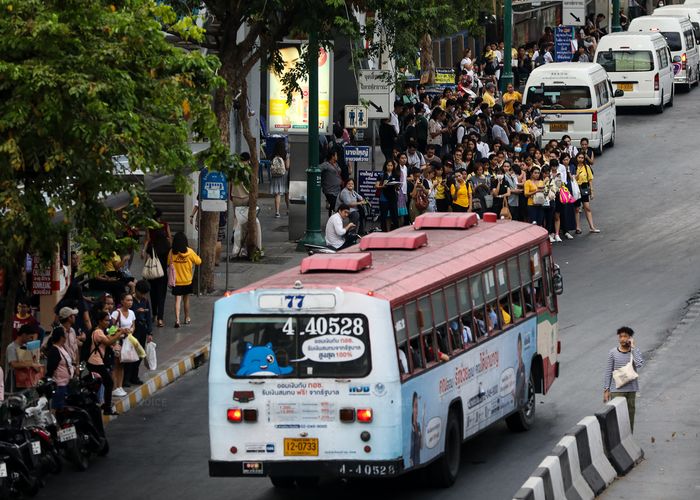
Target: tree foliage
81, 82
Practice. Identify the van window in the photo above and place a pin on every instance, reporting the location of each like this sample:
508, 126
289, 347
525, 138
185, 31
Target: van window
601, 91
563, 97
663, 57
689, 39
626, 60
673, 39
696, 30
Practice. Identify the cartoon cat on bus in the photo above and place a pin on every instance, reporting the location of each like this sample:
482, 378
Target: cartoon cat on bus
261, 360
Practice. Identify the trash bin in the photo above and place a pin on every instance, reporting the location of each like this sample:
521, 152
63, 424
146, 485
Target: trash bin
297, 210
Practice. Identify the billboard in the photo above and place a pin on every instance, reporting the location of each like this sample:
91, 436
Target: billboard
293, 118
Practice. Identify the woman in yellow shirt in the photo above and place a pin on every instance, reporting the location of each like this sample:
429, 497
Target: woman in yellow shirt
183, 259
584, 178
461, 194
535, 201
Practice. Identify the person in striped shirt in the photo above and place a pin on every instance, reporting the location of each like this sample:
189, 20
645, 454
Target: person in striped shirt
617, 358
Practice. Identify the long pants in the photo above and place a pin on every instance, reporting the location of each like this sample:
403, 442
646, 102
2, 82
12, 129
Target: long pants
535, 214
331, 199
106, 382
631, 398
159, 289
442, 205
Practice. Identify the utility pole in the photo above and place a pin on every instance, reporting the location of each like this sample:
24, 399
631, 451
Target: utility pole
616, 16
313, 234
507, 76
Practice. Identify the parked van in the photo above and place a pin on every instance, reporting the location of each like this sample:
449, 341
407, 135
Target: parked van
691, 12
680, 37
638, 63
577, 100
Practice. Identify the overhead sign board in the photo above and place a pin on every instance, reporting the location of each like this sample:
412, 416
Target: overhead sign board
356, 153
213, 192
563, 36
356, 116
574, 12
374, 89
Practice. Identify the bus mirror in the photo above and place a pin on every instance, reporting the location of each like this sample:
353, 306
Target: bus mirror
557, 281
619, 93
419, 319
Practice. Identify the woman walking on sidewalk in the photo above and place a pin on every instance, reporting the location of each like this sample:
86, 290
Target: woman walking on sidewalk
158, 242
183, 259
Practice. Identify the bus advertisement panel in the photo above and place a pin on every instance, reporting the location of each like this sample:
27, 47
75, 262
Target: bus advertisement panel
491, 381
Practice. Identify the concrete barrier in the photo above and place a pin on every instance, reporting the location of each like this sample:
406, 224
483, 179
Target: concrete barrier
593, 462
549, 471
621, 448
575, 486
532, 489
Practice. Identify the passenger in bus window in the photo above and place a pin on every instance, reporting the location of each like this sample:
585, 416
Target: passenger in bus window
416, 353
539, 292
517, 305
431, 355
503, 306
441, 334
493, 317
466, 333
403, 360
480, 324
456, 333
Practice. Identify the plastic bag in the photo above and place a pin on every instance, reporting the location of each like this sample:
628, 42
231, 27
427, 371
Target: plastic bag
151, 358
128, 352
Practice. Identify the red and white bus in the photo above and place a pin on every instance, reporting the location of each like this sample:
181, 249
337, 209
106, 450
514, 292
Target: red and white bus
385, 357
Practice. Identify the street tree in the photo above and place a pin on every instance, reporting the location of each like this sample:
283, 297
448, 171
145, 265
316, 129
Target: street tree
82, 82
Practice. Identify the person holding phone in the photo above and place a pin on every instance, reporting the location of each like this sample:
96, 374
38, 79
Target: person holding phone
618, 357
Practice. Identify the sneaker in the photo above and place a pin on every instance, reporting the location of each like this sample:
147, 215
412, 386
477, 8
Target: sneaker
557, 238
595, 230
120, 393
551, 238
277, 215
568, 236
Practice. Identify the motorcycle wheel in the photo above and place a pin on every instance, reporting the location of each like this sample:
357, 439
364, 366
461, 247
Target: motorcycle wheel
28, 485
76, 456
56, 463
104, 450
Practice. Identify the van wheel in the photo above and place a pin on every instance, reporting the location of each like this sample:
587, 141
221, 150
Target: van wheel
599, 150
670, 101
660, 108
523, 419
443, 472
611, 144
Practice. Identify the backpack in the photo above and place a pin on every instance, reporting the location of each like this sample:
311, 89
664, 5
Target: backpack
421, 199
278, 168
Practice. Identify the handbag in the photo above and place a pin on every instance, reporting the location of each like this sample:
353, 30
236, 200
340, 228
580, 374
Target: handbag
152, 268
565, 196
625, 374
171, 271
585, 191
151, 357
128, 352
575, 190
538, 198
505, 211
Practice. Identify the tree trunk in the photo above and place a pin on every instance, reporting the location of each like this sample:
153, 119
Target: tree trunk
12, 275
244, 119
427, 65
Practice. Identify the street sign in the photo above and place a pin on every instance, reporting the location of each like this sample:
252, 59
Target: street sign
375, 91
563, 36
356, 153
574, 12
366, 180
356, 116
213, 192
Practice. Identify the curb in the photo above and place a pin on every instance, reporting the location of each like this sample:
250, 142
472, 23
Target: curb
163, 378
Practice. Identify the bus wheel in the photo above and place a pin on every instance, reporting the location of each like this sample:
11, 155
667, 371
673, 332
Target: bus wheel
523, 419
282, 482
443, 472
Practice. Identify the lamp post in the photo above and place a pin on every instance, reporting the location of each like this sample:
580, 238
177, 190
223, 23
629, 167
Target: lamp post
616, 16
313, 234
507, 76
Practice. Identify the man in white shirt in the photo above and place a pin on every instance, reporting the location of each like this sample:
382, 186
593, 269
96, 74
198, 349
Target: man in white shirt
337, 236
394, 116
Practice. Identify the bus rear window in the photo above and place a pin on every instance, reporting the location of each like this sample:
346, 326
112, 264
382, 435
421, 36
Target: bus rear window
626, 60
561, 96
303, 346
673, 39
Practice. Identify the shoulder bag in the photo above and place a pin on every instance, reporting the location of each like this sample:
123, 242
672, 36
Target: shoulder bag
625, 374
171, 271
152, 268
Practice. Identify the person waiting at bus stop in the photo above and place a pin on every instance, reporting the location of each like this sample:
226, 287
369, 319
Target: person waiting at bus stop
338, 234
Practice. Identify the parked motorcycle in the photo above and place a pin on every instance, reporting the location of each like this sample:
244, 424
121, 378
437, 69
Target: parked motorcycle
21, 449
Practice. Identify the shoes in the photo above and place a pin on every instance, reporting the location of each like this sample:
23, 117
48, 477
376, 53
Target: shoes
557, 238
177, 324
110, 412
161, 323
138, 381
277, 215
568, 236
578, 231
188, 321
120, 393
594, 230
551, 238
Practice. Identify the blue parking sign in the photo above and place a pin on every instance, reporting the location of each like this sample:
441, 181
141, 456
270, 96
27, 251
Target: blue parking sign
213, 191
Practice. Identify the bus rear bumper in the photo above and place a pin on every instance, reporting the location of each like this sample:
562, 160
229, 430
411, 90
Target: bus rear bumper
336, 468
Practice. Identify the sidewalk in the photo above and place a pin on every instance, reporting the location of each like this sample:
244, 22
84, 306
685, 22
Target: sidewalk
182, 349
667, 423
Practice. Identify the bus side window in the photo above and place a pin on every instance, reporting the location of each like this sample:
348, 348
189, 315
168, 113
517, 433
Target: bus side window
548, 270
526, 280
455, 329
466, 333
442, 339
452, 315
416, 354
401, 334
403, 359
494, 317
480, 322
440, 318
516, 300
537, 281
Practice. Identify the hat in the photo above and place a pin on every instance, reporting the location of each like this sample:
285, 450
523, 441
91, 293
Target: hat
66, 312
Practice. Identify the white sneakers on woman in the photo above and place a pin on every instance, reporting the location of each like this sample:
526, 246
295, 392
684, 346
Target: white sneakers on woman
119, 392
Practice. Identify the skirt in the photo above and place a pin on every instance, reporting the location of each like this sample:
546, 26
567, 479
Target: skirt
183, 290
278, 185
401, 203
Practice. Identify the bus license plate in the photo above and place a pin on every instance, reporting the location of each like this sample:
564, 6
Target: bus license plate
301, 447
627, 87
558, 127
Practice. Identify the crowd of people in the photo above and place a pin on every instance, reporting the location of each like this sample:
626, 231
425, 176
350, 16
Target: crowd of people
109, 332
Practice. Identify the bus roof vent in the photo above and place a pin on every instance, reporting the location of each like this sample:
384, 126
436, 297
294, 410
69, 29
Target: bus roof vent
394, 241
343, 262
445, 220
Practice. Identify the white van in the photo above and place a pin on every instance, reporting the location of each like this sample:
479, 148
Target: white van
639, 64
680, 37
577, 100
691, 12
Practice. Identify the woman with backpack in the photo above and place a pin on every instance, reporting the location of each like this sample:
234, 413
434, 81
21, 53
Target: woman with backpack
279, 170
59, 366
101, 356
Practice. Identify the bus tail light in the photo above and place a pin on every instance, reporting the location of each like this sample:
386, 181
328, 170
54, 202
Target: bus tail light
250, 415
684, 61
656, 81
594, 123
364, 415
347, 415
234, 415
